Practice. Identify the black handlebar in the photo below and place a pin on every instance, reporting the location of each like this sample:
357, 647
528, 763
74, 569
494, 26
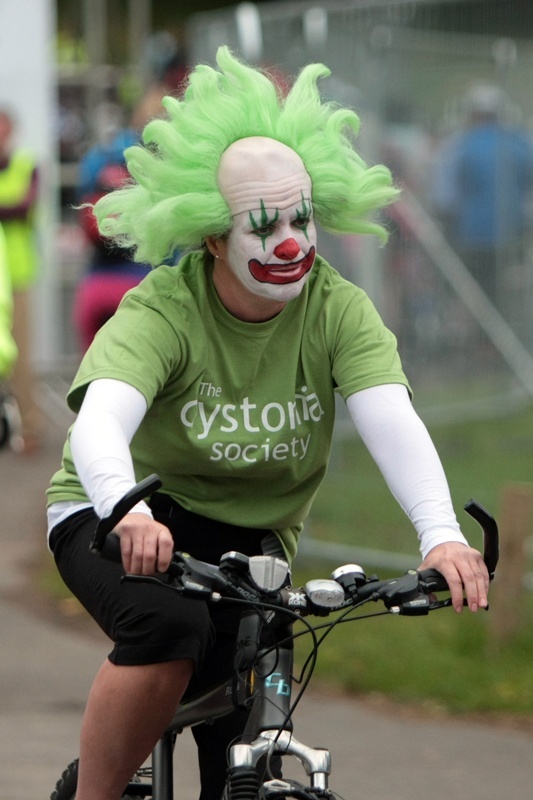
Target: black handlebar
410, 594
491, 543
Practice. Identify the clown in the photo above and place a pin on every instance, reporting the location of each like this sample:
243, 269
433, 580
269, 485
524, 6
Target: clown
220, 374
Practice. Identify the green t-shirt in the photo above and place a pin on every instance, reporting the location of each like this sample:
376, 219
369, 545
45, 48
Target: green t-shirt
240, 415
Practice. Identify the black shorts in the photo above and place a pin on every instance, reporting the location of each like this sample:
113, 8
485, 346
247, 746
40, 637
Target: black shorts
147, 623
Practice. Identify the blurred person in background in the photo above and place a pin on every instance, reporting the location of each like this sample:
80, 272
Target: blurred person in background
9, 417
410, 291
482, 189
166, 66
8, 348
18, 200
111, 137
110, 270
110, 273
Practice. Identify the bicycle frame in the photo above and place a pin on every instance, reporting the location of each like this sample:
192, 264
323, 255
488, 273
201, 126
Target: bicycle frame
268, 688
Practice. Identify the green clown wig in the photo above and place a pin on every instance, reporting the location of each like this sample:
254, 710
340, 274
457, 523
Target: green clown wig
174, 202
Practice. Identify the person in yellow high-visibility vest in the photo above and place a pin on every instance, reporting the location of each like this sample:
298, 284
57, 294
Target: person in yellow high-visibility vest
9, 416
18, 197
8, 348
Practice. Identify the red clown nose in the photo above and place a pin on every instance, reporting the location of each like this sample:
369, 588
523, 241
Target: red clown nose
287, 250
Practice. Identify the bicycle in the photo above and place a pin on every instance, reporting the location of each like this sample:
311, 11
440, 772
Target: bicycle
263, 677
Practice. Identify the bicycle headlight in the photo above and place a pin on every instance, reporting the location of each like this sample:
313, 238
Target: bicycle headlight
324, 593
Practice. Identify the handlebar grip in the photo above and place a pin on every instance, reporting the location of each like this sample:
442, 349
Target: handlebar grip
143, 489
111, 548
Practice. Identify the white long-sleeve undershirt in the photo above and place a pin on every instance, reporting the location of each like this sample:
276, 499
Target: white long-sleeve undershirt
401, 446
109, 416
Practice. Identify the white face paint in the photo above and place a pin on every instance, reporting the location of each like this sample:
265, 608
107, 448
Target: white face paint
271, 247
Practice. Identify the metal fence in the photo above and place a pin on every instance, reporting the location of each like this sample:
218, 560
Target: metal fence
467, 353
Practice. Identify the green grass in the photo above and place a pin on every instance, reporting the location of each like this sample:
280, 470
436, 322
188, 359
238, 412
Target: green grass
443, 661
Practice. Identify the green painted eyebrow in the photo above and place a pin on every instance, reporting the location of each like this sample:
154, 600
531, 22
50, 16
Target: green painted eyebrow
304, 215
265, 220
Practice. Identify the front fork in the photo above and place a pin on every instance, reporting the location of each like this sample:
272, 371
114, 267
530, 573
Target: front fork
270, 728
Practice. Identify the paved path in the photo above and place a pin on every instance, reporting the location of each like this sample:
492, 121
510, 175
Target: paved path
46, 670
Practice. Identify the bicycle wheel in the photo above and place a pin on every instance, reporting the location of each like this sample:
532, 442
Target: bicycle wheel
242, 784
68, 782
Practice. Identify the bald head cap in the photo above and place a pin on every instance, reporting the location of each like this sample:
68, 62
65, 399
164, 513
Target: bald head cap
259, 170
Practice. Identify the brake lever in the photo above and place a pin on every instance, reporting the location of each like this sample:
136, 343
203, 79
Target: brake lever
131, 578
435, 604
421, 605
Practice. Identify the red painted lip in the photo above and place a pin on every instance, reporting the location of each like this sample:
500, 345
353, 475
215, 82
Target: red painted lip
282, 273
